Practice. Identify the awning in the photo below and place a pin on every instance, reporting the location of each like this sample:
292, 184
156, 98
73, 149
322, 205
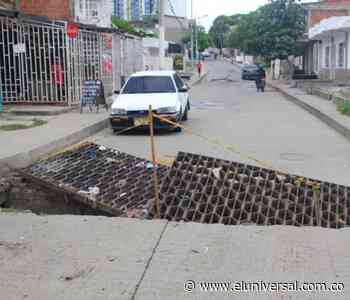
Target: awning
330, 24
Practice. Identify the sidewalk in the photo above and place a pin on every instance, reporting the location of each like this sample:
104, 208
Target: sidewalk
98, 258
322, 109
20, 148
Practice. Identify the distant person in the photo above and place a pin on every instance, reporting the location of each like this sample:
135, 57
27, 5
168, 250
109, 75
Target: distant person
260, 80
199, 68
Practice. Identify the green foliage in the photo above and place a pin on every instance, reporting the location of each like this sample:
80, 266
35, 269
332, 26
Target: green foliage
222, 26
271, 31
20, 126
203, 38
150, 21
344, 107
125, 26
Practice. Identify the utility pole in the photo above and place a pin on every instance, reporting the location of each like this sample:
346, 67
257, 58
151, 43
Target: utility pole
196, 35
161, 32
192, 33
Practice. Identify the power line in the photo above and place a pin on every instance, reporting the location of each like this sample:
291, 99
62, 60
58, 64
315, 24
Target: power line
177, 18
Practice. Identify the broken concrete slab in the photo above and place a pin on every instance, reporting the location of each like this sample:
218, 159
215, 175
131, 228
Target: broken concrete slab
103, 178
209, 190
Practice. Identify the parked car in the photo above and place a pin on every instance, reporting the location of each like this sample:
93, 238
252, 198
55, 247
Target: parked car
205, 54
164, 90
250, 72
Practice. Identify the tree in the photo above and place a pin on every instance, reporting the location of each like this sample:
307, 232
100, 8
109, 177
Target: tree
271, 31
221, 29
203, 38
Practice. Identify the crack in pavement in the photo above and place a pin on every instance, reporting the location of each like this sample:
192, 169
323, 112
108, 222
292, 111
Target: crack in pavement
133, 297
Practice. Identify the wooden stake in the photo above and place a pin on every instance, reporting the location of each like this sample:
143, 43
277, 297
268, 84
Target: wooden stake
154, 162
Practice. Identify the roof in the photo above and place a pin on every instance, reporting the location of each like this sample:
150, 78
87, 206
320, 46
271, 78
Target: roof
330, 24
154, 73
324, 5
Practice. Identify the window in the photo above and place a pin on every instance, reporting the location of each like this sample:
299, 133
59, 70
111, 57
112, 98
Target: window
341, 55
327, 56
149, 84
178, 81
88, 8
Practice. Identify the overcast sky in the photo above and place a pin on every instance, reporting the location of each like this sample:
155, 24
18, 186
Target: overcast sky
214, 8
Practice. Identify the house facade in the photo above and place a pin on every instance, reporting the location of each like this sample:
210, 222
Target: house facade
46, 61
325, 54
331, 38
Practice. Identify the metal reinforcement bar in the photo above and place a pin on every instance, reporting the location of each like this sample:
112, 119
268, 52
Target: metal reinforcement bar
209, 190
106, 179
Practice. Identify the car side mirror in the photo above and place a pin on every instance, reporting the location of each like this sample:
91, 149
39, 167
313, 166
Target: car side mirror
184, 89
116, 92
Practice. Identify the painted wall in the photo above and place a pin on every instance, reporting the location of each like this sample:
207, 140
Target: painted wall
53, 9
105, 9
334, 70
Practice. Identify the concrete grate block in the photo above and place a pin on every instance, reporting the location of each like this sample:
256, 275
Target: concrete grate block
209, 190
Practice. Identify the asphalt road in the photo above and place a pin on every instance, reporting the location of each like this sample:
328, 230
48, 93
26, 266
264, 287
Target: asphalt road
263, 125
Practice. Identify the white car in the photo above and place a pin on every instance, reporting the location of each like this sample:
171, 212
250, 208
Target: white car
163, 90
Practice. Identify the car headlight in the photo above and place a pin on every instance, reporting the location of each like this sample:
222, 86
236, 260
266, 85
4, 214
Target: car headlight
118, 111
167, 110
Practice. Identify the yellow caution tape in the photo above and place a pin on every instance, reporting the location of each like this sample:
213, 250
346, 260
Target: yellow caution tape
231, 148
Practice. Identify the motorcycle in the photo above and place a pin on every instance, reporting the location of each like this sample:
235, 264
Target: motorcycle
260, 84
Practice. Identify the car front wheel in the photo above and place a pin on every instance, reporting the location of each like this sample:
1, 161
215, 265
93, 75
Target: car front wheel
185, 116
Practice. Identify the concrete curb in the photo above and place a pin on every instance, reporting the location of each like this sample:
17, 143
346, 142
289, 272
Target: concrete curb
25, 159
34, 112
199, 80
335, 125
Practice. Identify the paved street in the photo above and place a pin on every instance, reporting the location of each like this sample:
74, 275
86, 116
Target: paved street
263, 125
42, 258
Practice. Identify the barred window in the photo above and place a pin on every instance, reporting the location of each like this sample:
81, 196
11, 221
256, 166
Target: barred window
88, 8
327, 57
341, 55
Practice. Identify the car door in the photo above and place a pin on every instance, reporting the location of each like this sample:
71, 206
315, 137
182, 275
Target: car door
183, 96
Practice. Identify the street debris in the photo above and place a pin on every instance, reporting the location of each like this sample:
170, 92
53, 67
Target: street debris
82, 273
216, 172
209, 190
102, 178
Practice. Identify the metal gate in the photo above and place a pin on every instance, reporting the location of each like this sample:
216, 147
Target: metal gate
40, 64
32, 62
90, 57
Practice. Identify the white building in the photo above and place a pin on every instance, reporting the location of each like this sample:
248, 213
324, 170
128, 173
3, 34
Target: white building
94, 12
331, 48
99, 12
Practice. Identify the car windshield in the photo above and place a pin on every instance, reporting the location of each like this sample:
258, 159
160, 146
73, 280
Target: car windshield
251, 68
149, 84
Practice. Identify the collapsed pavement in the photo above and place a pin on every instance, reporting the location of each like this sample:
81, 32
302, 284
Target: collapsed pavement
19, 195
195, 189
102, 178
210, 190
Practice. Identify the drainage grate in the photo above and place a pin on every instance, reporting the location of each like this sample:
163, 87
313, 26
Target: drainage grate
208, 190
102, 178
